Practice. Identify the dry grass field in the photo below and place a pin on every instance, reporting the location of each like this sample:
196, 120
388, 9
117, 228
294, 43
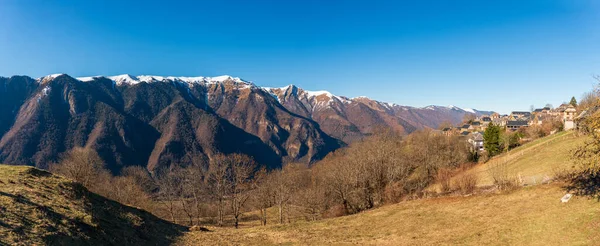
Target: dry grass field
533, 162
39, 208
528, 216
532, 215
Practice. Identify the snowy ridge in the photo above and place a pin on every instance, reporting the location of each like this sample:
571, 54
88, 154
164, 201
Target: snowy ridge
321, 97
455, 108
49, 77
470, 110
127, 79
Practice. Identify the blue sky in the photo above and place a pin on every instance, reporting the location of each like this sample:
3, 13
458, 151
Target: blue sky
492, 55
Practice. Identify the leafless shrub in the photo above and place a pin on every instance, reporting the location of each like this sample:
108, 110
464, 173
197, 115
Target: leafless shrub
82, 165
443, 177
141, 176
562, 173
484, 157
466, 183
503, 178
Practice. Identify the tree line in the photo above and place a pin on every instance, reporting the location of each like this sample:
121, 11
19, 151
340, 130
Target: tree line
383, 168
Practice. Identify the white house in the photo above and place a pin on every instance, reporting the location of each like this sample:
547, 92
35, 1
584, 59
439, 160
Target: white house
569, 117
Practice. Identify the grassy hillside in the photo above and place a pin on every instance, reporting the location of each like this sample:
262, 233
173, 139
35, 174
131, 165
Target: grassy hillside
529, 216
535, 161
38, 208
532, 215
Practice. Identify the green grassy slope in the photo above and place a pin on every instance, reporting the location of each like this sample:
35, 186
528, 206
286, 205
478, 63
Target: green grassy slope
38, 208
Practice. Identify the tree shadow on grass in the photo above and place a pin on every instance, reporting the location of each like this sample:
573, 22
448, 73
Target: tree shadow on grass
54, 219
118, 224
107, 223
586, 183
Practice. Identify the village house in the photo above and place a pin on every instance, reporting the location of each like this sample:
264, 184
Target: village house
514, 125
569, 117
560, 110
450, 131
476, 125
516, 115
537, 120
486, 120
499, 121
467, 127
476, 140
546, 110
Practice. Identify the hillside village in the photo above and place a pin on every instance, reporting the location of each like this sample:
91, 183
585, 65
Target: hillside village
561, 118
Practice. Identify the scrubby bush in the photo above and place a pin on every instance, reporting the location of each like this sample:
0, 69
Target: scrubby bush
443, 177
466, 183
502, 176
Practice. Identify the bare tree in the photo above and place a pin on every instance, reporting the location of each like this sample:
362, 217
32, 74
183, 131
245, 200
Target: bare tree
263, 193
219, 182
141, 176
168, 191
186, 186
242, 167
126, 190
285, 183
195, 187
312, 200
339, 183
82, 165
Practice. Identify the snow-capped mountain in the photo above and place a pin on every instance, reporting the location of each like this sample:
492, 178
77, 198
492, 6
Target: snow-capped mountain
156, 121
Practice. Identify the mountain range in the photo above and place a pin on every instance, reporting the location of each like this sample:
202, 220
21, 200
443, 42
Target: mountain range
156, 121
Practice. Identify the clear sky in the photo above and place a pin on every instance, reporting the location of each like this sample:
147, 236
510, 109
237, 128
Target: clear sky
492, 55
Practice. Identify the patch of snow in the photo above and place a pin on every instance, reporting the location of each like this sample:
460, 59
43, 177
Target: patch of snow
189, 80
271, 89
124, 79
386, 105
49, 77
52, 76
318, 93
150, 78
46, 90
343, 99
275, 96
88, 79
470, 110
223, 78
43, 93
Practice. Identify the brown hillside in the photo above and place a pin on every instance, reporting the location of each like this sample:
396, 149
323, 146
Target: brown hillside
39, 208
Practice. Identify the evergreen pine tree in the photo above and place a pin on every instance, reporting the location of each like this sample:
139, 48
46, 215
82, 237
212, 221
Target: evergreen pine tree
573, 102
491, 139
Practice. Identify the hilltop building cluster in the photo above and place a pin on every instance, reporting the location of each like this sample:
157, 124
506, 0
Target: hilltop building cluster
473, 129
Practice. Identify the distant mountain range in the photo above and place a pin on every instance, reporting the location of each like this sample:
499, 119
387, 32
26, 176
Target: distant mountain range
156, 121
